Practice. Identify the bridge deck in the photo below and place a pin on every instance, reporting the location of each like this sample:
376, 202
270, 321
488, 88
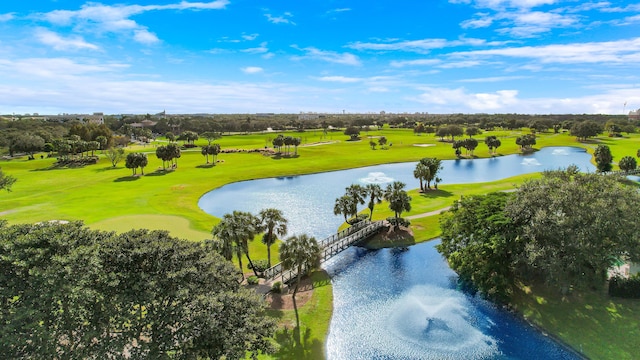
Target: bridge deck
330, 246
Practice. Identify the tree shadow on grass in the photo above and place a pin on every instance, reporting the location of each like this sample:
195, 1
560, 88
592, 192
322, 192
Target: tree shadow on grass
284, 156
127, 178
108, 168
294, 348
207, 166
433, 194
159, 173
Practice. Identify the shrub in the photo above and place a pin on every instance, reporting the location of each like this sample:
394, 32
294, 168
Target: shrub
357, 219
252, 280
625, 288
276, 287
260, 266
401, 221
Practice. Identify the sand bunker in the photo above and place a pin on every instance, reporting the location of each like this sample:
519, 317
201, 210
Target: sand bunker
424, 145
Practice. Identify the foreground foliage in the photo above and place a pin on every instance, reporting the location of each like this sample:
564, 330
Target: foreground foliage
566, 229
72, 293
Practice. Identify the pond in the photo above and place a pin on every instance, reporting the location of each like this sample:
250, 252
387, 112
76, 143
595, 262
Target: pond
307, 201
402, 304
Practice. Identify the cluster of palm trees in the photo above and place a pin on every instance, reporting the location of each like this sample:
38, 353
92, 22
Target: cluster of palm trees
286, 141
427, 171
355, 194
168, 154
492, 143
231, 236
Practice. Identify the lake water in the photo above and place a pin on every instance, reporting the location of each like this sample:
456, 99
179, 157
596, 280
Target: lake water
307, 201
402, 304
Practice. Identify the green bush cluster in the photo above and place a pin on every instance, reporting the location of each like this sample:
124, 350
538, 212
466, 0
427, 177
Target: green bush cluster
625, 288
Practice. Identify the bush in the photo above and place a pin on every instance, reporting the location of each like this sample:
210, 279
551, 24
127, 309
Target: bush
276, 287
260, 266
357, 219
625, 288
401, 221
188, 146
252, 280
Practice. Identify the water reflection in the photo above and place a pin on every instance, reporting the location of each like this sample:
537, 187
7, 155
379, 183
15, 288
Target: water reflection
391, 304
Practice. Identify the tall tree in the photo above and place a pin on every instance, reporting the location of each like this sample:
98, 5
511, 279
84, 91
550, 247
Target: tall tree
421, 172
345, 206
603, 158
302, 253
434, 165
275, 224
627, 163
210, 136
399, 200
375, 193
235, 231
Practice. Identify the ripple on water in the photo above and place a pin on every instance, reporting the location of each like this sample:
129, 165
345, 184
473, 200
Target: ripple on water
561, 152
425, 322
376, 178
530, 162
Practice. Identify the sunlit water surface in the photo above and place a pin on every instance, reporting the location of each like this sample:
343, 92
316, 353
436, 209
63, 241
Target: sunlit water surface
395, 304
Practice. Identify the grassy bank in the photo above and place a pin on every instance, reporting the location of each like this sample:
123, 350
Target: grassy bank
111, 199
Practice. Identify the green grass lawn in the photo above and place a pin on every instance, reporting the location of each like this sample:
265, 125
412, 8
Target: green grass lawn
111, 199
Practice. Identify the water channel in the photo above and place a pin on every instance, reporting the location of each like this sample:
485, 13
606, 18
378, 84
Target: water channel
402, 304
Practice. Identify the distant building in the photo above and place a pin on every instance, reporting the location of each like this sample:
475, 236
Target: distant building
634, 115
144, 124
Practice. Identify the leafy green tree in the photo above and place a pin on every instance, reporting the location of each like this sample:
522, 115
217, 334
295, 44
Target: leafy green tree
170, 136
211, 136
90, 294
479, 242
115, 155
278, 142
6, 181
374, 191
492, 143
296, 142
575, 226
586, 129
131, 162
234, 231
372, 144
526, 141
28, 143
382, 141
471, 131
603, 158
470, 144
275, 224
353, 132
627, 163
188, 136
399, 200
302, 253
454, 130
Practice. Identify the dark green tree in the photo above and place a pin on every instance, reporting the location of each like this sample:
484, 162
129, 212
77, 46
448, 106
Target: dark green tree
275, 224
6, 181
627, 163
603, 158
375, 193
399, 200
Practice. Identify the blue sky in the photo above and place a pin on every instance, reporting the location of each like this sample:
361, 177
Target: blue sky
247, 56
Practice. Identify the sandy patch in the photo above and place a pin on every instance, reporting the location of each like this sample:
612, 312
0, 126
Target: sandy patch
318, 143
284, 301
424, 145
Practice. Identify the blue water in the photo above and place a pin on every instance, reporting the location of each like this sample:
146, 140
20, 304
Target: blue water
307, 201
403, 304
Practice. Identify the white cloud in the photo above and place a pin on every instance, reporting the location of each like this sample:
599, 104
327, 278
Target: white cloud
340, 79
531, 23
283, 19
7, 17
503, 4
328, 56
339, 10
258, 50
252, 70
621, 51
61, 43
250, 37
116, 18
143, 36
423, 45
493, 79
419, 62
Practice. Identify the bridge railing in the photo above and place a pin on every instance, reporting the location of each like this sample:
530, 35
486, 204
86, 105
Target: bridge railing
344, 239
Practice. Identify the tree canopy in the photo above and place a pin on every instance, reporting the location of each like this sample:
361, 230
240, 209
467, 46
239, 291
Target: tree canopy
565, 229
71, 292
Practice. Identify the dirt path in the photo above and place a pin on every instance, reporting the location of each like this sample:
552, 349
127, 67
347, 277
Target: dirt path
427, 214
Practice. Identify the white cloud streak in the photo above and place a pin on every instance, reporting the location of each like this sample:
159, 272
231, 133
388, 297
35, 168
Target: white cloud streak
328, 56
422, 45
61, 43
7, 17
252, 70
282, 19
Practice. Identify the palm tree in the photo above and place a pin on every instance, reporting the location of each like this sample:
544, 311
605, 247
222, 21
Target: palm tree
398, 199
303, 254
275, 224
421, 172
234, 232
375, 197
357, 193
343, 206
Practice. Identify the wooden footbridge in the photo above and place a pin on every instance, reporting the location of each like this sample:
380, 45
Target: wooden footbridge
329, 247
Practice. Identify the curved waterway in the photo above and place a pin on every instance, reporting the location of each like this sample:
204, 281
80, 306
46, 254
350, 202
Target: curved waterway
402, 304
307, 200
